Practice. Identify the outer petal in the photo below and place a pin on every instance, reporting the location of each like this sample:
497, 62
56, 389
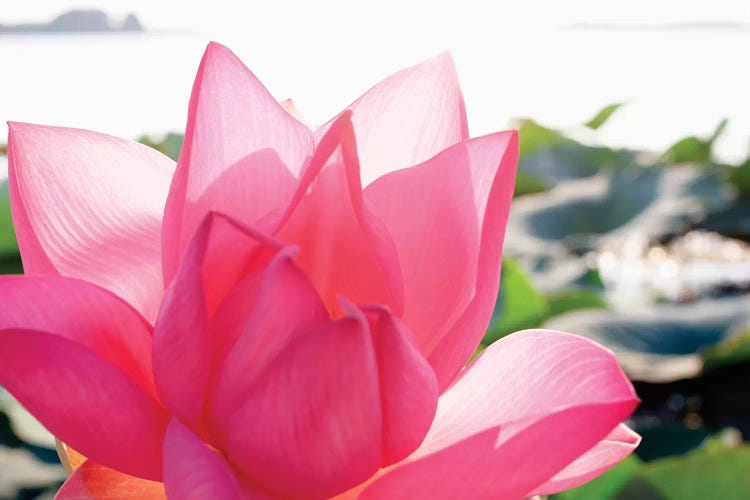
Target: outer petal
241, 154
311, 425
194, 470
531, 404
447, 218
408, 388
84, 400
89, 206
408, 117
617, 445
286, 306
84, 313
344, 247
219, 255
92, 481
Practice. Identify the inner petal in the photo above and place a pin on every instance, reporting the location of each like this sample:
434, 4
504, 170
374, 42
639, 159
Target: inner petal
344, 248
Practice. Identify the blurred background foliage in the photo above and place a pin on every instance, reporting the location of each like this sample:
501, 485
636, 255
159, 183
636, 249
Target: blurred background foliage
646, 253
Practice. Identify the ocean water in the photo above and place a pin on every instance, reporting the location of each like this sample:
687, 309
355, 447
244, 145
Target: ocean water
675, 81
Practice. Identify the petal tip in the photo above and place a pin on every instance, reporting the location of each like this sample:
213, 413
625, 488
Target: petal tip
217, 53
444, 61
216, 46
16, 129
448, 58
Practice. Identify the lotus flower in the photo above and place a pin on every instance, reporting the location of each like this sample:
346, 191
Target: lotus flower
288, 313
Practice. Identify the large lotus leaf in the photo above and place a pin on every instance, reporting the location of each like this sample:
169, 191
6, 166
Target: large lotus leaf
713, 471
603, 115
689, 150
607, 486
639, 489
577, 215
694, 149
554, 272
562, 156
739, 177
170, 144
11, 266
724, 476
548, 156
706, 185
526, 184
733, 350
590, 279
534, 136
574, 299
662, 342
519, 304
555, 164
732, 221
8, 243
557, 274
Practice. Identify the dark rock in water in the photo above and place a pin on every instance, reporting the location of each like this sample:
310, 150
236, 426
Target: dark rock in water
80, 20
77, 21
132, 23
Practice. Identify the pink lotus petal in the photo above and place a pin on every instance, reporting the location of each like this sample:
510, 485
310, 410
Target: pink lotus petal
310, 427
608, 452
460, 342
92, 481
232, 274
286, 305
220, 253
447, 219
84, 313
84, 400
408, 118
408, 388
228, 323
230, 252
531, 404
194, 470
89, 206
344, 248
241, 154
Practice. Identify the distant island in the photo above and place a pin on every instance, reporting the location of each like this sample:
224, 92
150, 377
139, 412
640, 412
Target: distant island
78, 21
684, 26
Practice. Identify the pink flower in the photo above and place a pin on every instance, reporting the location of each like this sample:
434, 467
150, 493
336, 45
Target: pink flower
287, 313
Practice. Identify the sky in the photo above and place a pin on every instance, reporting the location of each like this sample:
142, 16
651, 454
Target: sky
327, 15
514, 58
